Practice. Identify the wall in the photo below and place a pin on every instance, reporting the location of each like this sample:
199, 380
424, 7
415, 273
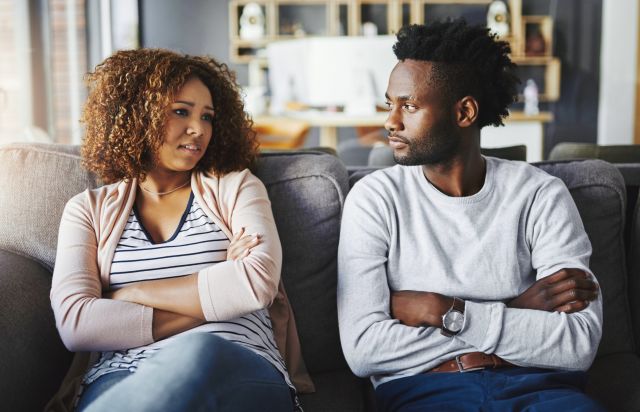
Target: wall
616, 116
192, 27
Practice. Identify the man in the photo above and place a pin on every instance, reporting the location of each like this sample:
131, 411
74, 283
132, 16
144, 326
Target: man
452, 261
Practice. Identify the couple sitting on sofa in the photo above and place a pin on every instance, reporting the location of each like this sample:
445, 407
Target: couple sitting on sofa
451, 262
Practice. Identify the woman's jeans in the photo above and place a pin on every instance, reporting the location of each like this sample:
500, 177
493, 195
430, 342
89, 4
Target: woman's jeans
197, 372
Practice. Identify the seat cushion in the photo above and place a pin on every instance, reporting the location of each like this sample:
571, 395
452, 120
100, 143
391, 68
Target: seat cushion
614, 381
33, 360
307, 192
598, 189
336, 391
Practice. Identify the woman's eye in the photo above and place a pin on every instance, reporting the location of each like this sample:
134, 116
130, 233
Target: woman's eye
181, 112
207, 117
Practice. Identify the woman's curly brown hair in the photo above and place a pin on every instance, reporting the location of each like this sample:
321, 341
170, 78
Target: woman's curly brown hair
126, 112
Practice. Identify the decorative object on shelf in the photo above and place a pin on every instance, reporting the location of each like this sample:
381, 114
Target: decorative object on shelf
252, 22
255, 102
531, 98
498, 18
369, 29
535, 44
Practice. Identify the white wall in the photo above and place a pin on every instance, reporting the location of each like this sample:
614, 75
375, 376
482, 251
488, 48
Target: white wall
616, 112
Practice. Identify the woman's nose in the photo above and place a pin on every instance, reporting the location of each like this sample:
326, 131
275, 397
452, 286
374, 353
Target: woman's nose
195, 129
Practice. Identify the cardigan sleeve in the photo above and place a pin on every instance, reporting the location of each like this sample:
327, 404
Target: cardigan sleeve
234, 288
87, 322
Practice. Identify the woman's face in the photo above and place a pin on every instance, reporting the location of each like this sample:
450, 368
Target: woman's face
189, 128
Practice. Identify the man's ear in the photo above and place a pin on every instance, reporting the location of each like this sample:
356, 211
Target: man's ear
467, 111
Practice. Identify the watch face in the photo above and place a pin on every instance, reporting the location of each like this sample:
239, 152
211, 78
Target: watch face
453, 321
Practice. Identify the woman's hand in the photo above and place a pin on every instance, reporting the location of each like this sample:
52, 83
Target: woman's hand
241, 245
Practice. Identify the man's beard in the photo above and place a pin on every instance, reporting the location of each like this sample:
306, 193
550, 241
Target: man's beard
437, 146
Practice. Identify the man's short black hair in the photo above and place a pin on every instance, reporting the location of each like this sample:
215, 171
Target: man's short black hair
468, 61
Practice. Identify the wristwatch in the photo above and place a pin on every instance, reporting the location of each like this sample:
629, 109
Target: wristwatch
453, 319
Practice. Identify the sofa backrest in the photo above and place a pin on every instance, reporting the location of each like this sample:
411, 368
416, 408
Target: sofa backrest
598, 189
307, 191
37, 180
631, 174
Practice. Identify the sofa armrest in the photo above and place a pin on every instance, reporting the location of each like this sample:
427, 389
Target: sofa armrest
34, 360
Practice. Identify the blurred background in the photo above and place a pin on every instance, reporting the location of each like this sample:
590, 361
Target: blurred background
580, 55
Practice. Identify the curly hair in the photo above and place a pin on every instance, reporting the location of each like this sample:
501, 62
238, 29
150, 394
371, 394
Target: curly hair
126, 112
467, 61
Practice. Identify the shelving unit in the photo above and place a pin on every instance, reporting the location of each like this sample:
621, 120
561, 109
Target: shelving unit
286, 19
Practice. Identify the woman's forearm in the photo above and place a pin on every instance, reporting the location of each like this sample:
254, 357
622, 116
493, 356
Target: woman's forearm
177, 295
166, 324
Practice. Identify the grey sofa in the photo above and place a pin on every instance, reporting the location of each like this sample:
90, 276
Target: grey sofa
307, 191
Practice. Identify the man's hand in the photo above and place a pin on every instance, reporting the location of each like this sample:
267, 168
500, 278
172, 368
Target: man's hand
567, 290
414, 308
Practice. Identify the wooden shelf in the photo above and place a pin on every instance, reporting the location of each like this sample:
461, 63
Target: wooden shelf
340, 13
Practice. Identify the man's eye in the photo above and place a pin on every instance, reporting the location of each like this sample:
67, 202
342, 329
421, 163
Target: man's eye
181, 112
409, 107
388, 104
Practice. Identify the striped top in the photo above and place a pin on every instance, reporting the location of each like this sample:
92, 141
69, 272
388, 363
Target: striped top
197, 243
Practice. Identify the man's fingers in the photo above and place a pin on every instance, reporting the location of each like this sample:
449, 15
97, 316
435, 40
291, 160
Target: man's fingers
573, 295
565, 274
572, 307
572, 283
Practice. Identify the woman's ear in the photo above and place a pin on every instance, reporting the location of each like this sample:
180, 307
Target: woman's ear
466, 111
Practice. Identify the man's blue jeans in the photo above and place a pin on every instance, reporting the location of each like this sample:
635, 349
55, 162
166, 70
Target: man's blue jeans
495, 390
197, 372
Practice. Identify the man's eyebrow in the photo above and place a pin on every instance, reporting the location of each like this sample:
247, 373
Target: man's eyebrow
402, 98
191, 104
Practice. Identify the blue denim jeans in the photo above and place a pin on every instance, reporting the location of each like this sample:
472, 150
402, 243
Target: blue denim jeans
197, 372
495, 390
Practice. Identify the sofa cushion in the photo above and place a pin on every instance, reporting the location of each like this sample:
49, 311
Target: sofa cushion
598, 189
614, 381
307, 192
337, 391
34, 359
40, 178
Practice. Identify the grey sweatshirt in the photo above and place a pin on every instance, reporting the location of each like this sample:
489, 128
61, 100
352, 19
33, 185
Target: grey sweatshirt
400, 233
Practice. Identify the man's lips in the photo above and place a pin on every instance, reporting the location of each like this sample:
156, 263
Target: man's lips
397, 141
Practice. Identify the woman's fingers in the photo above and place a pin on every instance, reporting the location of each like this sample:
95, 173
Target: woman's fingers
241, 247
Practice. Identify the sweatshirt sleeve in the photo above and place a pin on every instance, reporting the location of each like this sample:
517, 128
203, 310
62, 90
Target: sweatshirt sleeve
87, 322
234, 288
372, 341
538, 338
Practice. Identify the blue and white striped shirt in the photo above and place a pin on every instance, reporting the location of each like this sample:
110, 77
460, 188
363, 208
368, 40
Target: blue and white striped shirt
196, 244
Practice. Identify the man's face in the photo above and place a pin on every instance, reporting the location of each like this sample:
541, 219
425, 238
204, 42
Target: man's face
421, 123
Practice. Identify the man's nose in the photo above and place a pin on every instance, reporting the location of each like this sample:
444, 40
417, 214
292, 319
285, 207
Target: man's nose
393, 122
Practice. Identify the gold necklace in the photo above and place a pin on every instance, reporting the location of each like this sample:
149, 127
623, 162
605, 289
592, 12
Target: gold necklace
167, 192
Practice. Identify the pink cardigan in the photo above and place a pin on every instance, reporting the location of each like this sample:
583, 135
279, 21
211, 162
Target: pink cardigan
91, 226
90, 229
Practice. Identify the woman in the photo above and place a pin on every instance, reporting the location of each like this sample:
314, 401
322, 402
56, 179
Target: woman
167, 270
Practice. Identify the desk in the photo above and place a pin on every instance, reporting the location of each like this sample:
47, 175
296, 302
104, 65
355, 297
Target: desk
328, 123
519, 129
